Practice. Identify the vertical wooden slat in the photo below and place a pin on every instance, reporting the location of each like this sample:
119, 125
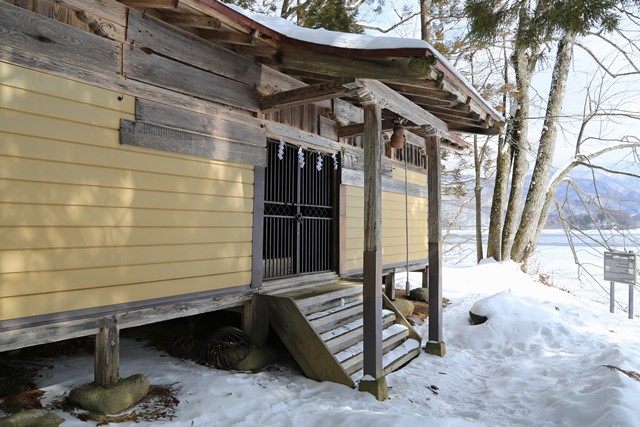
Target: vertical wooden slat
372, 256
258, 227
435, 239
107, 357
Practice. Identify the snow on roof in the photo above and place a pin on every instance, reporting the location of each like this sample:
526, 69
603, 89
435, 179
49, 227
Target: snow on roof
354, 41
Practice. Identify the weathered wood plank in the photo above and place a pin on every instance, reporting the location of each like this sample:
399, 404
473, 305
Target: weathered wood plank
307, 94
257, 263
300, 137
150, 33
47, 329
153, 4
355, 178
216, 123
346, 112
191, 21
107, 356
28, 31
156, 137
160, 71
372, 255
327, 128
393, 101
110, 10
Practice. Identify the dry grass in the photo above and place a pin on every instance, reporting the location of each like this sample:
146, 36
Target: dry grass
631, 374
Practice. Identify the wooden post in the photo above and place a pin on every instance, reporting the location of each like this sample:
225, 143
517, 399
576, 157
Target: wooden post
255, 320
390, 285
107, 356
372, 255
258, 227
435, 344
425, 277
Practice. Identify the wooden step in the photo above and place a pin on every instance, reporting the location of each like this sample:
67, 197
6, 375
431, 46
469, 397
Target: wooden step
337, 318
317, 299
340, 341
409, 350
394, 337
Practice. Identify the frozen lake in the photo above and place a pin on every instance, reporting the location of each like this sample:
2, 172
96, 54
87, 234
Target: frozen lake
554, 257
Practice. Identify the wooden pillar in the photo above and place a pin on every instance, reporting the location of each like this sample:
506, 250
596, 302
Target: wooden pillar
390, 285
435, 344
107, 356
258, 227
372, 255
255, 320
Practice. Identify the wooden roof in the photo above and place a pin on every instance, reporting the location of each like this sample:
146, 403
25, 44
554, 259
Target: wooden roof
417, 73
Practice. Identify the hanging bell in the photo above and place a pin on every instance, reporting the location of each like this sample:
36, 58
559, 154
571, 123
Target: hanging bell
397, 138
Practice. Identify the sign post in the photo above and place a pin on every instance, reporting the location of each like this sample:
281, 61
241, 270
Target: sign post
620, 267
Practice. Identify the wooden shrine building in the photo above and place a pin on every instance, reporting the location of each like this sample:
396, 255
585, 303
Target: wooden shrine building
166, 158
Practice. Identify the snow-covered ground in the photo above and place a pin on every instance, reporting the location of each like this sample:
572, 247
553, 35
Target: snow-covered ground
538, 360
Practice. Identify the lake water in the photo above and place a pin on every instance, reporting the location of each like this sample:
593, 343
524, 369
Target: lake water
579, 272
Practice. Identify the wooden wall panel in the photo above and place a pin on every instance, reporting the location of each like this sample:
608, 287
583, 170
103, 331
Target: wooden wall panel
393, 228
86, 222
34, 33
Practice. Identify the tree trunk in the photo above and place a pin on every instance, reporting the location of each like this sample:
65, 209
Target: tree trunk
503, 168
519, 139
478, 196
425, 20
538, 188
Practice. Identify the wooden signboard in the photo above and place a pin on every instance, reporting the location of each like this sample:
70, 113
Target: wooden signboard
620, 267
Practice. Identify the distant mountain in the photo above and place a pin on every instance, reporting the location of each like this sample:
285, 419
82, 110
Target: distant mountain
581, 199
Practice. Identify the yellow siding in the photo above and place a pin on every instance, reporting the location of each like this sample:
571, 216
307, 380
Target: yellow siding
413, 177
393, 228
85, 222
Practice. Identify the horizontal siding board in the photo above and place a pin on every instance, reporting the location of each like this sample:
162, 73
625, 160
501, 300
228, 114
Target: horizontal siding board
45, 105
30, 283
73, 259
34, 33
70, 173
145, 31
87, 237
33, 305
65, 216
163, 72
47, 84
60, 194
146, 135
119, 158
218, 123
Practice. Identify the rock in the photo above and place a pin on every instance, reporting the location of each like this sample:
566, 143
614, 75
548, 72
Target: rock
31, 418
419, 294
414, 320
405, 307
113, 399
258, 358
476, 319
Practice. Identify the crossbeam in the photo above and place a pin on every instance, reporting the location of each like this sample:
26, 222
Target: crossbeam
309, 94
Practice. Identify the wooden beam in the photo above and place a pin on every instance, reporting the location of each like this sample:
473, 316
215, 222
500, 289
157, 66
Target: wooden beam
107, 356
387, 98
226, 36
434, 177
152, 4
300, 137
308, 94
372, 255
341, 66
358, 129
191, 21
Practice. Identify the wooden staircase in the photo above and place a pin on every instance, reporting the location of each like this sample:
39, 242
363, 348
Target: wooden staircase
322, 329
